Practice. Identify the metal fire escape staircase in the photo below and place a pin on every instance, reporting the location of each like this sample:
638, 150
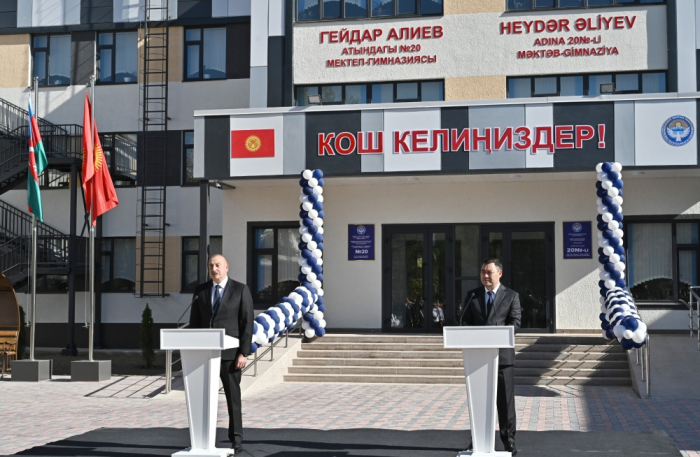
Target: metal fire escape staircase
153, 150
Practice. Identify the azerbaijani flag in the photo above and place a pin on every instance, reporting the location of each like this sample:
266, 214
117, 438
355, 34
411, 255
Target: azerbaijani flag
37, 164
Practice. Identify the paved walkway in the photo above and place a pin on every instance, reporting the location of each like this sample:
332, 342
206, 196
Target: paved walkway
35, 414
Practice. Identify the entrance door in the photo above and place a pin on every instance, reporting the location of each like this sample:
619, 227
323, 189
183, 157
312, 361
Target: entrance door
415, 278
526, 253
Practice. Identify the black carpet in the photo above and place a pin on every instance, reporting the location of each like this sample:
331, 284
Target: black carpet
357, 442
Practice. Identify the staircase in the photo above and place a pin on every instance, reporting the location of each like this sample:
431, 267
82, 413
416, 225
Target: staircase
540, 360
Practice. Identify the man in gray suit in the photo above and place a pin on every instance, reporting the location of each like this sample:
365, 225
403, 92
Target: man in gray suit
225, 303
494, 304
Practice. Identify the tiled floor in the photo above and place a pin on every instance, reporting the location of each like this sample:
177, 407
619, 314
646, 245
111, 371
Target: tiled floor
35, 414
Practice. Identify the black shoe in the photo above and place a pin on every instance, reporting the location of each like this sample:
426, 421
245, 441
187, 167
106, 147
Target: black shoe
510, 446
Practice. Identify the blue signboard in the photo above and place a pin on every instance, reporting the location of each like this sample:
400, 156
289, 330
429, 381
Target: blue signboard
361, 242
577, 240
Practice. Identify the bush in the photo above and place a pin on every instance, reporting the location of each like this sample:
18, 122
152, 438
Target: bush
147, 351
23, 334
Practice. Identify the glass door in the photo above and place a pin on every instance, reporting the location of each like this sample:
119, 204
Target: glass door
526, 251
416, 275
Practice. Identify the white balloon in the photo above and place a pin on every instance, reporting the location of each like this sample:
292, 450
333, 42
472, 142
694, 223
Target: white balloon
608, 250
321, 323
602, 300
600, 234
318, 190
628, 334
607, 184
613, 192
609, 283
311, 245
313, 214
603, 243
306, 238
305, 270
311, 276
318, 222
303, 230
607, 217
320, 230
601, 267
613, 225
604, 275
617, 200
622, 275
599, 201
305, 325
638, 336
617, 166
318, 315
310, 333
307, 174
319, 261
622, 242
302, 262
320, 198
603, 309
599, 167
303, 198
614, 258
316, 283
619, 266
313, 182
307, 206
602, 209
618, 233
602, 176
317, 253
320, 292
625, 307
618, 330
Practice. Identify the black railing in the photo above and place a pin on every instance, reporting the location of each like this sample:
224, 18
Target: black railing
12, 116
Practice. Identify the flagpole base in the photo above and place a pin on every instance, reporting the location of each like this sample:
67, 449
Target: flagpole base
91, 371
32, 370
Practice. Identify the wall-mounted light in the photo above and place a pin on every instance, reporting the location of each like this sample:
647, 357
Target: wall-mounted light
314, 99
607, 88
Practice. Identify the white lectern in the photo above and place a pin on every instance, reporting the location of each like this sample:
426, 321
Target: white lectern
480, 347
200, 351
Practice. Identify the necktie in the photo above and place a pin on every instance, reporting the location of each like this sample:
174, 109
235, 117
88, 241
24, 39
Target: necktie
217, 298
489, 302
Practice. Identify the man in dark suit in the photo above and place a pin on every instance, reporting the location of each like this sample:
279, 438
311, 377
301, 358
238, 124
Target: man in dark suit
225, 303
494, 304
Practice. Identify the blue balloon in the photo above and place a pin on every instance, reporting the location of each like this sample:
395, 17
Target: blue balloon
322, 308
609, 334
606, 167
273, 315
609, 267
620, 250
627, 344
603, 291
317, 269
607, 234
311, 261
615, 274
618, 184
602, 226
598, 185
603, 259
621, 283
631, 323
321, 214
302, 245
319, 301
303, 182
623, 259
284, 310
255, 327
253, 347
637, 345
614, 242
295, 307
321, 182
600, 251
313, 323
303, 214
263, 322
307, 222
621, 225
603, 324
318, 206
305, 253
620, 193
607, 200
319, 276
313, 198
313, 230
318, 237
307, 285
613, 208
319, 245
601, 316
618, 217
601, 284
307, 317
601, 193
307, 190
318, 174
613, 176
320, 332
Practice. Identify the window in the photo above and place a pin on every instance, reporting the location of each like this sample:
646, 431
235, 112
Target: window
190, 259
117, 57
662, 259
118, 264
350, 94
519, 5
314, 10
188, 158
120, 151
572, 85
52, 59
205, 54
273, 271
54, 179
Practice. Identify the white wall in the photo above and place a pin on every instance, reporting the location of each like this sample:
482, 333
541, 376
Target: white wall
472, 45
353, 289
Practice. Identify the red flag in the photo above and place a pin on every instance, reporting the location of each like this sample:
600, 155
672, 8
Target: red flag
99, 189
252, 143
88, 159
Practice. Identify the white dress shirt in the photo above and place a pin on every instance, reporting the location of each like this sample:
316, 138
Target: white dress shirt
213, 290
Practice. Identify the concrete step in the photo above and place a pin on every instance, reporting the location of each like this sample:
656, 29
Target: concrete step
456, 355
432, 371
456, 363
430, 347
568, 348
558, 356
401, 379
437, 339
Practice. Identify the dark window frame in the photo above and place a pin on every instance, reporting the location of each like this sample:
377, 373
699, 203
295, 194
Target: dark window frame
107, 286
113, 47
252, 252
111, 163
586, 83
584, 5
369, 91
200, 43
47, 50
185, 147
369, 12
675, 249
183, 285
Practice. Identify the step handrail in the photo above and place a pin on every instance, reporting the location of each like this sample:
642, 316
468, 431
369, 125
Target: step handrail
694, 298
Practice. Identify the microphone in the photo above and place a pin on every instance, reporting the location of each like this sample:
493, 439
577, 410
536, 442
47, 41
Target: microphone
465, 308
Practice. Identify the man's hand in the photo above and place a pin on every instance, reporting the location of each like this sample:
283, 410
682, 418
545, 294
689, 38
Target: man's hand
241, 361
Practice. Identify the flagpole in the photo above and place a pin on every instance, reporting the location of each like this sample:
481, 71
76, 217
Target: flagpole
34, 241
92, 230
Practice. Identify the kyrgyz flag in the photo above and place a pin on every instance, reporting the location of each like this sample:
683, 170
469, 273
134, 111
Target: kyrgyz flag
100, 195
247, 144
37, 164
